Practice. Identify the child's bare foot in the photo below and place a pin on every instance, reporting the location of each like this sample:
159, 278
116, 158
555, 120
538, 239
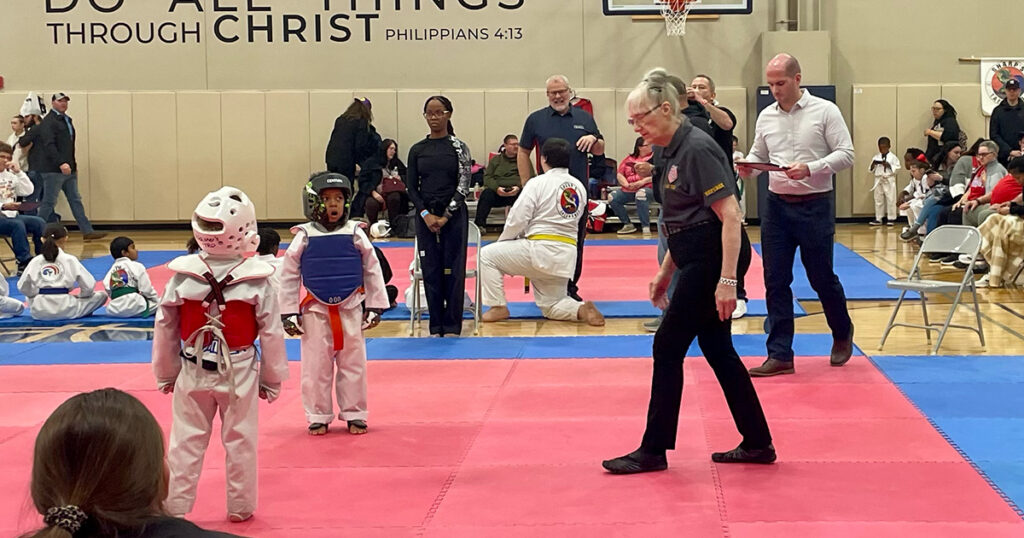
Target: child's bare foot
317, 428
589, 313
495, 313
357, 427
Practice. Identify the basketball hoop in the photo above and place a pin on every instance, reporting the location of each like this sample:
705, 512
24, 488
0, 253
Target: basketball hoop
675, 12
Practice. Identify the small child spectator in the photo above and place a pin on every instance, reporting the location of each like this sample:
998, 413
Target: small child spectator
884, 166
49, 278
131, 293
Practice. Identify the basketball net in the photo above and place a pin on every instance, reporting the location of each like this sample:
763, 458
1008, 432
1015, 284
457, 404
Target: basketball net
675, 12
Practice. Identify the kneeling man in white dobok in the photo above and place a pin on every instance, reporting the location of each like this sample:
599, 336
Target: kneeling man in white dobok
539, 243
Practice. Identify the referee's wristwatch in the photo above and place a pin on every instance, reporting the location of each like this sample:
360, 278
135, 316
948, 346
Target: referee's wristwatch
728, 281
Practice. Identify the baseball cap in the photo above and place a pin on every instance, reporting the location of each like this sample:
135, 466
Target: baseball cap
60, 95
1012, 84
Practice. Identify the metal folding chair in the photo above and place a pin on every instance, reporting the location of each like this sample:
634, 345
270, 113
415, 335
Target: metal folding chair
964, 240
416, 310
4, 260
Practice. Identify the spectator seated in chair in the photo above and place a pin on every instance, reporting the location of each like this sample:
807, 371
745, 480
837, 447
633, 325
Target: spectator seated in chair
14, 182
1002, 235
502, 183
386, 181
634, 188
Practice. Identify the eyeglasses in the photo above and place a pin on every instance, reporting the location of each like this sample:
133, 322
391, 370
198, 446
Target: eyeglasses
983, 153
556, 93
635, 120
430, 115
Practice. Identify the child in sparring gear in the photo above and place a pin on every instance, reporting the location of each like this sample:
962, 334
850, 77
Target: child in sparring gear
217, 303
335, 261
49, 278
131, 293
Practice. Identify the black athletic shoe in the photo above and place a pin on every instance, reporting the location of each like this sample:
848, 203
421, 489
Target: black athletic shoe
936, 257
742, 455
637, 461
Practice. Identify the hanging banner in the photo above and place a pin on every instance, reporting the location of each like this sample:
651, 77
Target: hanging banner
995, 73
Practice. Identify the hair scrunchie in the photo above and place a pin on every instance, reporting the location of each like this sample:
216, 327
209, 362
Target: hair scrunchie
69, 518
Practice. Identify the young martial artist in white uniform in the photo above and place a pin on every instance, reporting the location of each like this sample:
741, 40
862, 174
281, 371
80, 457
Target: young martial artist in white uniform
9, 307
539, 242
213, 309
335, 261
49, 278
131, 293
270, 243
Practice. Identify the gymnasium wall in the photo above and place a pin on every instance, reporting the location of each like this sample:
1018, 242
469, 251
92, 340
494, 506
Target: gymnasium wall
162, 123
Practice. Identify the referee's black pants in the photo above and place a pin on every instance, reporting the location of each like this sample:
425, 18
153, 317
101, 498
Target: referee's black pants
443, 263
693, 313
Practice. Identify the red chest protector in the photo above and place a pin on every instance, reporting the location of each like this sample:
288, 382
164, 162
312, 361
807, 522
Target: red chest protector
239, 318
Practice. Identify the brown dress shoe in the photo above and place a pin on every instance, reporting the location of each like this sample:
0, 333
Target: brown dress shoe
93, 235
772, 367
842, 350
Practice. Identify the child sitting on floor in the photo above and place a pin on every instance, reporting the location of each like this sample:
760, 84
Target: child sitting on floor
131, 293
49, 278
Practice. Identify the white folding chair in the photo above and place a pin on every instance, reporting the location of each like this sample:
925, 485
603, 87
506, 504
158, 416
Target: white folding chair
965, 240
416, 310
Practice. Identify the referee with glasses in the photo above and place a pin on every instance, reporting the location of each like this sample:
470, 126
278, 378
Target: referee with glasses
701, 219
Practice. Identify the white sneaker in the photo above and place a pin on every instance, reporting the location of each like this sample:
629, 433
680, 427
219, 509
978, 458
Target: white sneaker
627, 229
982, 282
741, 309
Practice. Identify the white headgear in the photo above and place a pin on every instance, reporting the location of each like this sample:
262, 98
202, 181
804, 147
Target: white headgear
380, 229
33, 105
224, 223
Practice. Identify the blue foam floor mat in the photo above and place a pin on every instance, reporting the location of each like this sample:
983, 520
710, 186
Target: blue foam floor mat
977, 403
861, 279
417, 349
610, 309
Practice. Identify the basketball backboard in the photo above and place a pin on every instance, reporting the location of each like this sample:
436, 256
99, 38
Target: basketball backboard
650, 7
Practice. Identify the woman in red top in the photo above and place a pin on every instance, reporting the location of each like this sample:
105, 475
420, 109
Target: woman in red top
635, 188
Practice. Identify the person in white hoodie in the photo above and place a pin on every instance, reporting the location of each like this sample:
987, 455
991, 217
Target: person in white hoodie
13, 183
539, 242
49, 278
131, 293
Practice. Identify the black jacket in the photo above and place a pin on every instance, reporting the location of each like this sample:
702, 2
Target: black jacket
36, 157
1005, 128
352, 142
950, 133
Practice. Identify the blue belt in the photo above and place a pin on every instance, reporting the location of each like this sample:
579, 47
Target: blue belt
54, 291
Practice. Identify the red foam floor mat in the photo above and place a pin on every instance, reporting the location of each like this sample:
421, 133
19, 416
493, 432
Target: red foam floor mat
512, 448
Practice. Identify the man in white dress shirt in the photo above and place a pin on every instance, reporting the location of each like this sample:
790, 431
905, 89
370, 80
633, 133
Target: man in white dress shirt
539, 242
808, 136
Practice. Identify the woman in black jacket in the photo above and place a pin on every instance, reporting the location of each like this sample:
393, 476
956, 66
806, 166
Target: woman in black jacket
382, 184
440, 170
353, 139
944, 129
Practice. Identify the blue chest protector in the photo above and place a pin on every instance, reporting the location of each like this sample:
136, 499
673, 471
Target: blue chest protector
332, 267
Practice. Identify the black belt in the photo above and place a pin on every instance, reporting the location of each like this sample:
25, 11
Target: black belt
800, 198
205, 364
671, 229
54, 291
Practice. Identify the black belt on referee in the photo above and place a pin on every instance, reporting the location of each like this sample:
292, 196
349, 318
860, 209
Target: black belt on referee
205, 364
799, 198
670, 229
